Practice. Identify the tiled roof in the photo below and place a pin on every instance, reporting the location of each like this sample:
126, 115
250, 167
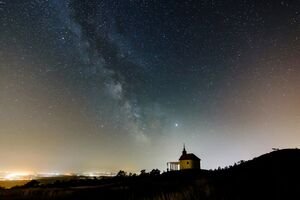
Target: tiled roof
189, 156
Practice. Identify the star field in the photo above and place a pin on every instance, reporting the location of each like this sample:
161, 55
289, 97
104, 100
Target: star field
105, 85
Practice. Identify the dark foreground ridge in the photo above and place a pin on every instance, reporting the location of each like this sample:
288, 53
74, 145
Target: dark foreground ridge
275, 175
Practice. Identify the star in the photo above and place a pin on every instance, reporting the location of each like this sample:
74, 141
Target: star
134, 73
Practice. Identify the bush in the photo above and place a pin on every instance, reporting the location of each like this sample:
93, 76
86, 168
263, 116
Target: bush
31, 184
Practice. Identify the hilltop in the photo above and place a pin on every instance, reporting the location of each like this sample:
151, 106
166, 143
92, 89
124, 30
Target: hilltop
274, 175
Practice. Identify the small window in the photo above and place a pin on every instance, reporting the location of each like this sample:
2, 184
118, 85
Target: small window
187, 162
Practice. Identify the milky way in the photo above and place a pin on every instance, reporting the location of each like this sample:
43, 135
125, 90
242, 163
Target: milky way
108, 85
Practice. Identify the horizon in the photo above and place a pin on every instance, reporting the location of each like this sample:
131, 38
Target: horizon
15, 175
34, 175
89, 85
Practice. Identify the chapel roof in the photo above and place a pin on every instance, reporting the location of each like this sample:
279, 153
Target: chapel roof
189, 156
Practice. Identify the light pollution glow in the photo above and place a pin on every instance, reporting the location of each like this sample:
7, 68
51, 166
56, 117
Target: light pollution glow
88, 86
14, 176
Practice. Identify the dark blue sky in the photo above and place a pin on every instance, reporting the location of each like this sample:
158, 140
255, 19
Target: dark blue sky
123, 84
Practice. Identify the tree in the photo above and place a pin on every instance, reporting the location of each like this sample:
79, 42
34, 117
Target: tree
121, 173
155, 172
241, 162
143, 172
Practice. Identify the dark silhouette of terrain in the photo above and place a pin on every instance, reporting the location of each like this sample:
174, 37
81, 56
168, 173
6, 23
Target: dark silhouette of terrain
275, 175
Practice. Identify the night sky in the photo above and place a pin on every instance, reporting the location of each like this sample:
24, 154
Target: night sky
103, 85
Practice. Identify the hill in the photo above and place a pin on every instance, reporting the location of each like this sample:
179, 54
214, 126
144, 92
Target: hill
275, 175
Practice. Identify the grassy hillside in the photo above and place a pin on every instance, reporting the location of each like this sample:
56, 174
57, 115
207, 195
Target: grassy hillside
275, 175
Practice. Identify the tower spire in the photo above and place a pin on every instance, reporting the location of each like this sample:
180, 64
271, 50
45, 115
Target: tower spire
184, 151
